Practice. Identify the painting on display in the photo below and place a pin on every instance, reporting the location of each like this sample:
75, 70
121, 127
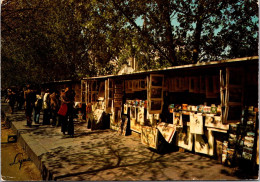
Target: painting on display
132, 112
113, 125
167, 130
134, 125
140, 115
177, 119
204, 144
155, 106
156, 93
136, 85
211, 87
149, 136
185, 139
196, 123
156, 80
125, 108
215, 122
142, 84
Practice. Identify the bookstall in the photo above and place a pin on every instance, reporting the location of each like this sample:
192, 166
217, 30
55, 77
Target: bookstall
208, 108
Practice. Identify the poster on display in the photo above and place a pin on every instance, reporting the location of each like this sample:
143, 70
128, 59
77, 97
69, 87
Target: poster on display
135, 85
156, 93
155, 106
140, 115
204, 144
167, 130
143, 84
185, 139
156, 80
134, 125
133, 112
196, 123
211, 87
113, 125
177, 119
215, 122
149, 136
125, 108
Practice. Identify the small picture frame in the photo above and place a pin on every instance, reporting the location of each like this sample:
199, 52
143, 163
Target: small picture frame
143, 84
156, 93
155, 106
156, 80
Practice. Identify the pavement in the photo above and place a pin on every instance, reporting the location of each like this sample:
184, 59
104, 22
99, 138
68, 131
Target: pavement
105, 155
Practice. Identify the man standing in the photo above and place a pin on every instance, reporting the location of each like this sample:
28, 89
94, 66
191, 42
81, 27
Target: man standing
30, 98
69, 97
46, 108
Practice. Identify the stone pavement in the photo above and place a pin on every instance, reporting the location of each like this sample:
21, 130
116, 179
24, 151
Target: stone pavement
105, 155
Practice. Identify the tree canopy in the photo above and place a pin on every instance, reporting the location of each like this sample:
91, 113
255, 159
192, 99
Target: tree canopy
67, 39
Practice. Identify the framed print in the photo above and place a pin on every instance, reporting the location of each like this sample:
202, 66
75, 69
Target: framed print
134, 125
196, 123
155, 106
167, 130
140, 115
149, 136
125, 108
135, 85
156, 93
185, 139
143, 84
213, 121
133, 112
210, 87
101, 92
156, 80
177, 119
156, 116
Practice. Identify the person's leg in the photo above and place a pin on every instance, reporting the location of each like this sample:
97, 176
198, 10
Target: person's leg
71, 123
64, 124
54, 118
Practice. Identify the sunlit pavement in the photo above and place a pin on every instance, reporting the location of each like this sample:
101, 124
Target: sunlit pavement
105, 155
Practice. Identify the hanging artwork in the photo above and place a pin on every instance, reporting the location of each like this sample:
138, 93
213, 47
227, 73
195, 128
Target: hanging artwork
156, 93
143, 84
196, 123
185, 139
149, 136
125, 108
177, 119
167, 130
211, 86
204, 144
156, 80
215, 122
140, 116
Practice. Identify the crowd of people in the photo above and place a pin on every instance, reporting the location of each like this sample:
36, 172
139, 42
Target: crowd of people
57, 107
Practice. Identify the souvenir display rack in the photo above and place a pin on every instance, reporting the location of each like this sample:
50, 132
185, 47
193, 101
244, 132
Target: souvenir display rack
197, 103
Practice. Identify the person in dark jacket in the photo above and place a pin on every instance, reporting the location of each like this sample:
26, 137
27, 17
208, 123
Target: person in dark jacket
12, 99
30, 98
67, 122
46, 108
37, 109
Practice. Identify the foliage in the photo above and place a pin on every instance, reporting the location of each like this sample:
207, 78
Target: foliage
69, 39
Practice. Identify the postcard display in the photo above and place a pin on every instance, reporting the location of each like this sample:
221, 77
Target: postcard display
149, 131
195, 123
242, 140
115, 94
